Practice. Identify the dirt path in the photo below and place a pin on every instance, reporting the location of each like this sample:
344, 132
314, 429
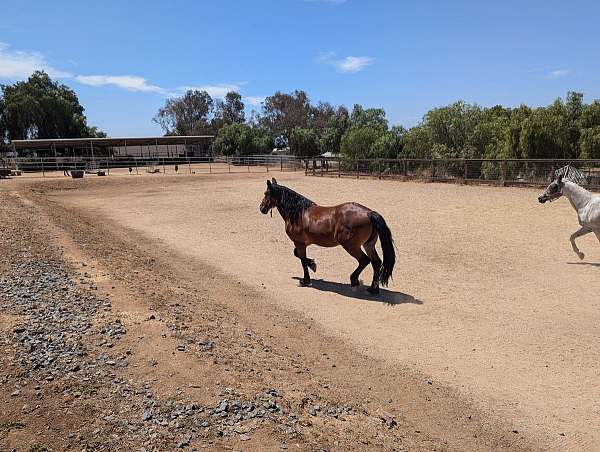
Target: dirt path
487, 304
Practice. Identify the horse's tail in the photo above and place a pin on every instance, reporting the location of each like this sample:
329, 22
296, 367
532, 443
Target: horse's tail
387, 245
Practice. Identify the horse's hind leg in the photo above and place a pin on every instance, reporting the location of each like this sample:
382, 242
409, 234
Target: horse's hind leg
363, 260
300, 253
375, 262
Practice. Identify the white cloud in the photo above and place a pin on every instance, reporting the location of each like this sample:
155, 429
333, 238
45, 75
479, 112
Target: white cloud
253, 100
559, 73
126, 82
18, 65
353, 64
349, 64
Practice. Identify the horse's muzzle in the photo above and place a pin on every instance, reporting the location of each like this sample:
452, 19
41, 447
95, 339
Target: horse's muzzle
264, 210
542, 199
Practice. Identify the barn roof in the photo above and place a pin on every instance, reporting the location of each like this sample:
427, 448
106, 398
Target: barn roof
109, 142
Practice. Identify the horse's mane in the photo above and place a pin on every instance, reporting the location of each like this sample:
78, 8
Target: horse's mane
571, 173
290, 202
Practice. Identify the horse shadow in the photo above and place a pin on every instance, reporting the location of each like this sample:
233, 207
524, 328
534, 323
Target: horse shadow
589, 264
385, 296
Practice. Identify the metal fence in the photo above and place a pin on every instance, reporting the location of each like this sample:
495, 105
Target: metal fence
124, 165
506, 172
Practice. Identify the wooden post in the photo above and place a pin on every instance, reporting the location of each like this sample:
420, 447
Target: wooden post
466, 171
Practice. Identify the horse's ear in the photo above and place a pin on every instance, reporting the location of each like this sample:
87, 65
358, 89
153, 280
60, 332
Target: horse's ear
268, 183
273, 180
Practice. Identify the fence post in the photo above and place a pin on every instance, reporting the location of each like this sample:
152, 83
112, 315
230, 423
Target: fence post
228, 164
432, 169
378, 169
164, 167
189, 164
306, 167
357, 170
136, 166
466, 170
281, 164
43, 172
322, 163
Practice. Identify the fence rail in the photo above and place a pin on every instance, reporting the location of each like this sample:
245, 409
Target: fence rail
57, 166
506, 171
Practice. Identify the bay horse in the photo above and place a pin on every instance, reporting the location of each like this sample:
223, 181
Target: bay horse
350, 225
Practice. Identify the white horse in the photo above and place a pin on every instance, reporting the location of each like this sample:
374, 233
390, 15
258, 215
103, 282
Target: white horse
585, 203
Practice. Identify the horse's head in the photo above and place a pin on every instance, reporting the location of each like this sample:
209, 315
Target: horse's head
269, 200
553, 191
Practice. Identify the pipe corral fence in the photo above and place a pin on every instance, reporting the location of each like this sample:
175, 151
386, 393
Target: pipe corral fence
534, 172
128, 165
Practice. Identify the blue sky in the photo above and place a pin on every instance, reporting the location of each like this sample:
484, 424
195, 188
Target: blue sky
124, 57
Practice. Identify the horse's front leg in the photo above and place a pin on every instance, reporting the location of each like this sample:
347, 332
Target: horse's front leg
300, 253
583, 231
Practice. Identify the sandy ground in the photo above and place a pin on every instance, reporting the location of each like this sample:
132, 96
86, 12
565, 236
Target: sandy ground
487, 295
488, 298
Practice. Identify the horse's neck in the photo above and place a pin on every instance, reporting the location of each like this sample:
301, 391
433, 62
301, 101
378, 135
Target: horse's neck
283, 214
578, 196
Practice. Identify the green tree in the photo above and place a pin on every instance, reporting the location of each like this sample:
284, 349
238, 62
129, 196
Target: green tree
41, 108
331, 137
589, 143
282, 112
186, 115
357, 142
228, 111
242, 139
304, 142
371, 117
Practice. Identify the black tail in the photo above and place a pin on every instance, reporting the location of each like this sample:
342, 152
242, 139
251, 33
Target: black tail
387, 245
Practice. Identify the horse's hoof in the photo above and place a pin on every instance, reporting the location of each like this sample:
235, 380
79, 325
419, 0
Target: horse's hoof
313, 267
581, 255
304, 283
373, 290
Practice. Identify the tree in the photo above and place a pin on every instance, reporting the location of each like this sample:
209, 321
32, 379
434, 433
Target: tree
40, 108
186, 115
357, 142
282, 112
304, 142
230, 110
331, 137
371, 117
241, 139
589, 143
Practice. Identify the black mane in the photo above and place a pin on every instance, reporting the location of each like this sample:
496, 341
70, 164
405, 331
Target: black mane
290, 202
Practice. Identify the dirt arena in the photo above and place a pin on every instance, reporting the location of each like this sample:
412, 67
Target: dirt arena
486, 339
